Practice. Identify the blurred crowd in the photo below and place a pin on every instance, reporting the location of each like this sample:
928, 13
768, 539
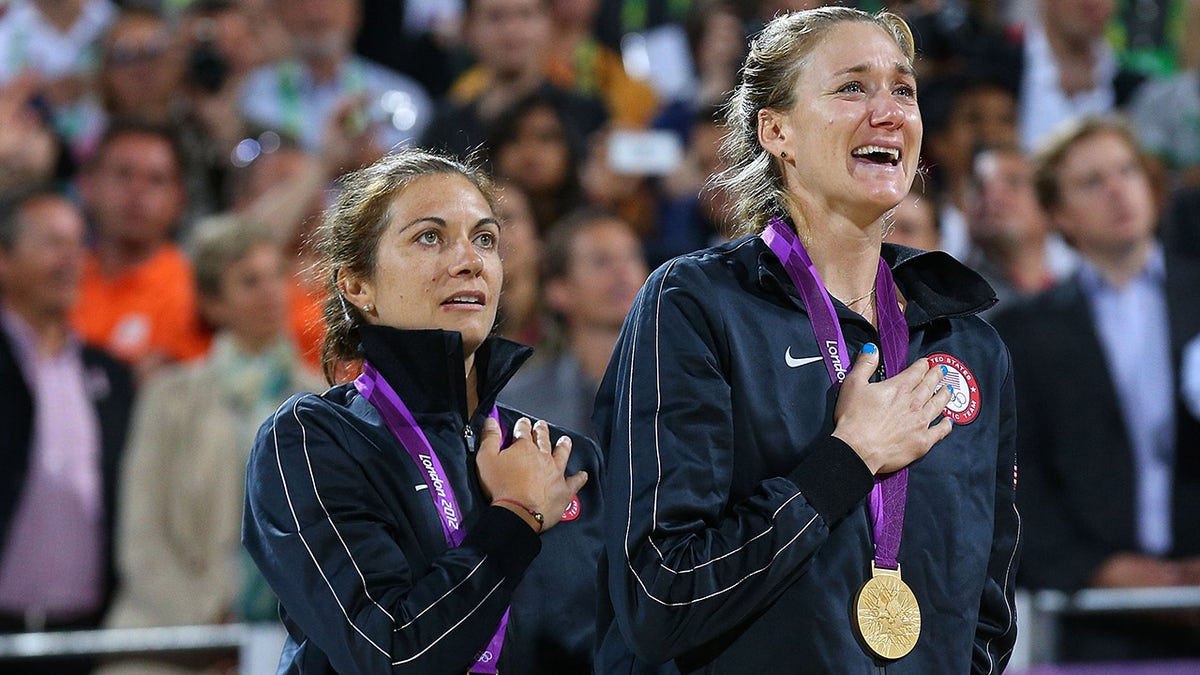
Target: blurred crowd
163, 163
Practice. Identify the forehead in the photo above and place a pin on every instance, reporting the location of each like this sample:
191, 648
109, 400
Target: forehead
1083, 154
448, 196
139, 147
854, 45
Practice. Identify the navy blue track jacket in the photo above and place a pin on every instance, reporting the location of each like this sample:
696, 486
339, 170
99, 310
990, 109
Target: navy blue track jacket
339, 519
737, 532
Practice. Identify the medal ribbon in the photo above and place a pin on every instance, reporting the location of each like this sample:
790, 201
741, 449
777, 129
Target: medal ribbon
400, 421
890, 493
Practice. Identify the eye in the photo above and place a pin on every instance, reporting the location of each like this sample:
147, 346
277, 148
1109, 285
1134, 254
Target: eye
905, 90
851, 88
486, 240
429, 237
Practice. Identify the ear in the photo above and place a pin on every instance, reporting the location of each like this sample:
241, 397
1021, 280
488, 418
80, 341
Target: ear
358, 292
773, 131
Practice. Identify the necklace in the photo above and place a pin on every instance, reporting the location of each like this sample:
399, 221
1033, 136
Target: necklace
864, 296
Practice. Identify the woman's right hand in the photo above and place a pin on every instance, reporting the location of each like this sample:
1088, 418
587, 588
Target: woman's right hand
530, 473
888, 422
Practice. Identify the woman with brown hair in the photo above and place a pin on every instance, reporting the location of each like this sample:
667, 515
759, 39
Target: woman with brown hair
406, 522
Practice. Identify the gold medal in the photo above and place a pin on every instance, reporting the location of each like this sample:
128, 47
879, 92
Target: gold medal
888, 617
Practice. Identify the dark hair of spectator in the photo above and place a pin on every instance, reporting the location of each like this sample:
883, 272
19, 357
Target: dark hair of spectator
503, 132
348, 239
1050, 156
754, 178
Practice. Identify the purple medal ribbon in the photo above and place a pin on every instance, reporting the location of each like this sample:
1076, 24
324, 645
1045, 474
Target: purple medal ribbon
399, 419
890, 493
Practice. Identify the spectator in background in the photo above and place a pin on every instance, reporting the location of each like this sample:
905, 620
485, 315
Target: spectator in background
914, 221
520, 317
1068, 69
577, 61
593, 268
29, 151
219, 46
56, 39
509, 39
64, 408
534, 145
1110, 479
1012, 246
299, 94
179, 554
963, 113
140, 67
137, 299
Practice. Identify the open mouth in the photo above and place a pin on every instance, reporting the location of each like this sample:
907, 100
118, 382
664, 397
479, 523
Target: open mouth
464, 300
877, 154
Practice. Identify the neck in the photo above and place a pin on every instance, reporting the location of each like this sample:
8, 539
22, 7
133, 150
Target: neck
117, 256
472, 386
1022, 261
1120, 265
593, 346
845, 255
50, 329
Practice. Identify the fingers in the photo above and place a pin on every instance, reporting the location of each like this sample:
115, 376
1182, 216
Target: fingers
576, 481
562, 452
489, 440
864, 365
541, 436
930, 382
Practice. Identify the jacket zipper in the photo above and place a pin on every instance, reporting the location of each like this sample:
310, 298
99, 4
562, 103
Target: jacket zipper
469, 437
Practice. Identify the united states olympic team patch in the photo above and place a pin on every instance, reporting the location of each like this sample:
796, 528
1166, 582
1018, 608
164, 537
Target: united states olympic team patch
963, 407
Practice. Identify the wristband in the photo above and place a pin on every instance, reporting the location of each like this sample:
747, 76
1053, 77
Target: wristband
537, 515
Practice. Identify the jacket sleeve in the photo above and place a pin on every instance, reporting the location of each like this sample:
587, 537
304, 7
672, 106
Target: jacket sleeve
996, 631
687, 564
314, 524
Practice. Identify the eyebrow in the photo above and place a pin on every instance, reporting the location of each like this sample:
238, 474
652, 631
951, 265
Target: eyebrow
902, 68
441, 222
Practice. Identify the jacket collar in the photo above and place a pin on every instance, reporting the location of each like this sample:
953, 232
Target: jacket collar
934, 284
426, 367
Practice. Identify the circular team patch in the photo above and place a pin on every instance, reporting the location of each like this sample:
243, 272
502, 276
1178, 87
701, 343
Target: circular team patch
572, 510
963, 407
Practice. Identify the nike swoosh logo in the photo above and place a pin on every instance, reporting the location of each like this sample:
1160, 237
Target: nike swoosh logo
794, 362
418, 488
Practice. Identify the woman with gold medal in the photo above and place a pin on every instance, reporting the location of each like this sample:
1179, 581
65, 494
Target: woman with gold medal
785, 490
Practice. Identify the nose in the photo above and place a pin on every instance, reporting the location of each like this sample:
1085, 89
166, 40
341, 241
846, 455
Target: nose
886, 111
467, 260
